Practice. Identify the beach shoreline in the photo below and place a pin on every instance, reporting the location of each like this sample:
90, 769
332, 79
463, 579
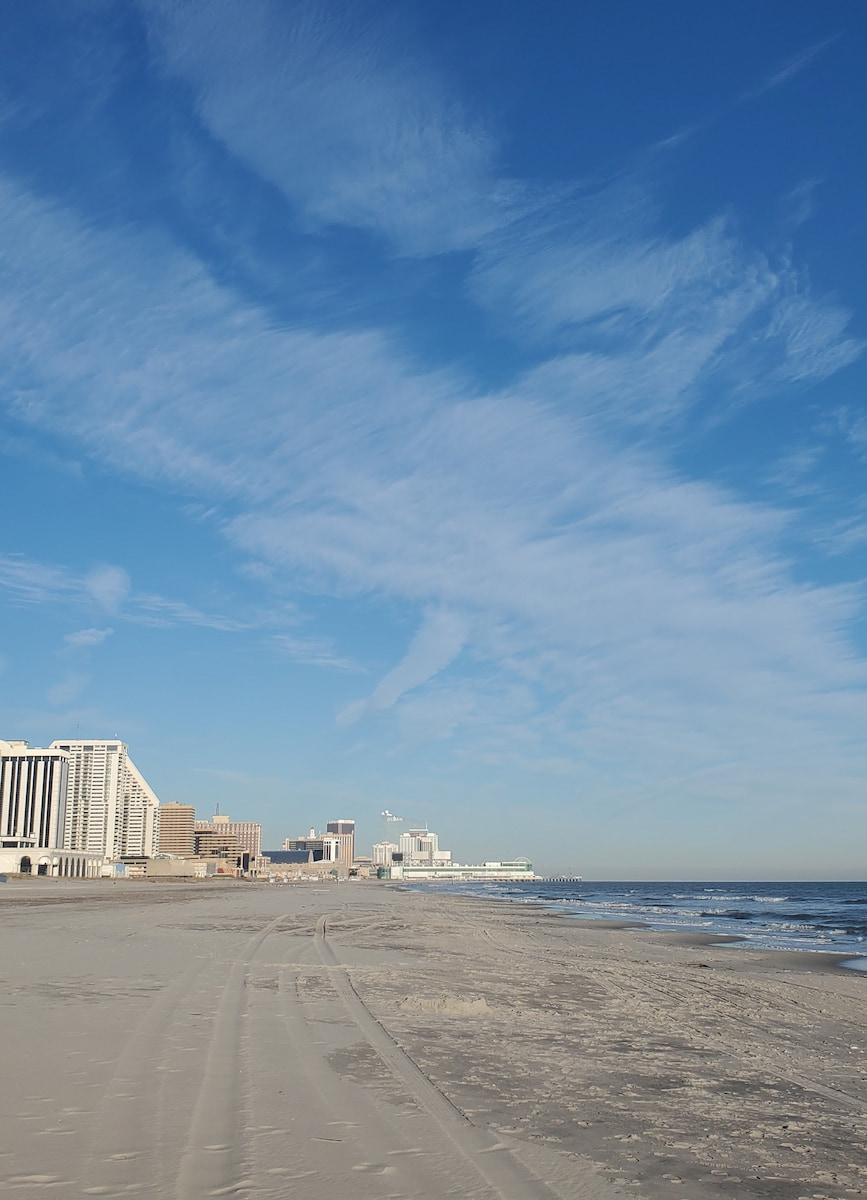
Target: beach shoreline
806, 959
454, 1045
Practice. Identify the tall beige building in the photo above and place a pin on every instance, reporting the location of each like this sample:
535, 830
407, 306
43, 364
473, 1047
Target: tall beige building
178, 829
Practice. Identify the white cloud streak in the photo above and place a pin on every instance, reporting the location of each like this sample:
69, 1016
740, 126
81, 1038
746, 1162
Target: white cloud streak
606, 610
653, 319
788, 70
437, 643
69, 689
351, 133
108, 588
83, 639
313, 652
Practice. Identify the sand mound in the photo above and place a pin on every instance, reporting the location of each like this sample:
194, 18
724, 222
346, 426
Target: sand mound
450, 1006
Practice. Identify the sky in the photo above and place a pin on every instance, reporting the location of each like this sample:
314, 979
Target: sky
452, 408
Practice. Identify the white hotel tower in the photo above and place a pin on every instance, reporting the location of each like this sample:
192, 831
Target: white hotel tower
110, 808
32, 796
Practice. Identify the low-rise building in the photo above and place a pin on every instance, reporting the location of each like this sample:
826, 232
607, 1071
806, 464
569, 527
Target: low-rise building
513, 870
169, 867
319, 847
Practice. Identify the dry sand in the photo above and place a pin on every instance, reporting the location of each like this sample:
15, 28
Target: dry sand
181, 1040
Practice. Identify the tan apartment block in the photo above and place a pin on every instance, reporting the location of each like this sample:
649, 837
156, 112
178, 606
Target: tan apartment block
177, 829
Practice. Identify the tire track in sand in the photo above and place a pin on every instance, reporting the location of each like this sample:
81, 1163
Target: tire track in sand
338, 1130
211, 1158
488, 1156
125, 1151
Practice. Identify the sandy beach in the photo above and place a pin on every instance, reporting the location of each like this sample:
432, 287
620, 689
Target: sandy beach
314, 1041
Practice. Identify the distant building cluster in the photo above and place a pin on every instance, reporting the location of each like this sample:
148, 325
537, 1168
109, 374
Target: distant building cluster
417, 845
313, 854
72, 807
81, 809
417, 855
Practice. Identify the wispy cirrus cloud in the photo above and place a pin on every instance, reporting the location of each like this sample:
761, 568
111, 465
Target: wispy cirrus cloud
109, 586
110, 589
35, 583
442, 636
351, 131
149, 366
83, 639
853, 425
313, 652
585, 601
789, 69
149, 609
62, 694
636, 323
240, 777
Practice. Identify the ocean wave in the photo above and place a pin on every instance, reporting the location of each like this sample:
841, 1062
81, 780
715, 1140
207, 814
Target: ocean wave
807, 916
728, 896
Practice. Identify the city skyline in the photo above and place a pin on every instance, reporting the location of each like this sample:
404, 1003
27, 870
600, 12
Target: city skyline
449, 410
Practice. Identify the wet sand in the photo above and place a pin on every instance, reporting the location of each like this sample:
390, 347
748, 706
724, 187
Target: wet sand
181, 1040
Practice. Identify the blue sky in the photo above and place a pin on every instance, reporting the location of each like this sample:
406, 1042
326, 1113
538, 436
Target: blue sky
453, 408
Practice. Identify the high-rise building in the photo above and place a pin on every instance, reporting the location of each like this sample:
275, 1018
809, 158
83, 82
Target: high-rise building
32, 795
177, 829
33, 792
110, 808
344, 831
419, 845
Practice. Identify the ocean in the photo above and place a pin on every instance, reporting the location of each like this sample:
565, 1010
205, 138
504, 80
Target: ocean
773, 916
